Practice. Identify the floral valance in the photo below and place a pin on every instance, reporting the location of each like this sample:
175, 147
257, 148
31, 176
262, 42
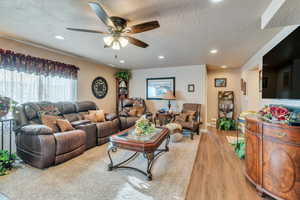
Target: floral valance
24, 63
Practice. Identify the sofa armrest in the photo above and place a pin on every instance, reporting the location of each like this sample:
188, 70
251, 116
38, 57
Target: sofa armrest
80, 122
36, 129
111, 116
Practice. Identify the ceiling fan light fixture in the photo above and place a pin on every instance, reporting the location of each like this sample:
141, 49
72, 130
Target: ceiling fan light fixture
116, 45
108, 40
123, 41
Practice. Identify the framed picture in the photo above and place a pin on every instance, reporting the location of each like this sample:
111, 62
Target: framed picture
220, 82
191, 87
157, 87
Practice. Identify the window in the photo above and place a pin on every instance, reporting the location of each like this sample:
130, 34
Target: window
24, 87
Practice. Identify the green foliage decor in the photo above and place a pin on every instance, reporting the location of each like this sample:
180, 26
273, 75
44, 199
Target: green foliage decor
124, 75
239, 149
6, 161
226, 124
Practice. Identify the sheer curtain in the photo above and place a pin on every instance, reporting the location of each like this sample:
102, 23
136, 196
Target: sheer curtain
24, 87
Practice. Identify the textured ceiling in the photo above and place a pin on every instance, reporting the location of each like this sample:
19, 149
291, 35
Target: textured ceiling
189, 29
288, 14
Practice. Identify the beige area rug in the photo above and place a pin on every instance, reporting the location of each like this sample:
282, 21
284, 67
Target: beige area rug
86, 177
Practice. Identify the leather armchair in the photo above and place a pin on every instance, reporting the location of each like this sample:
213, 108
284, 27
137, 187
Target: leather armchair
125, 106
192, 124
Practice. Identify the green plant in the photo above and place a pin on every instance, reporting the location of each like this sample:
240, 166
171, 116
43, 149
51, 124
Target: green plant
239, 149
226, 124
6, 161
124, 75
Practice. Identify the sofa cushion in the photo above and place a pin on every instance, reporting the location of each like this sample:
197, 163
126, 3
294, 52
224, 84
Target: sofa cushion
48, 108
84, 106
30, 110
69, 141
72, 117
66, 107
104, 128
36, 129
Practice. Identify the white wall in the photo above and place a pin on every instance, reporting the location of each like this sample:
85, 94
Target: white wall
184, 75
257, 60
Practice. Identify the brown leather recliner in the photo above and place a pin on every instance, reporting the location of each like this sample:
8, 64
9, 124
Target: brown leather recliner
38, 146
125, 106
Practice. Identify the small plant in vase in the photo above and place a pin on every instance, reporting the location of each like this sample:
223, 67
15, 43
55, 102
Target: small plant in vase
144, 127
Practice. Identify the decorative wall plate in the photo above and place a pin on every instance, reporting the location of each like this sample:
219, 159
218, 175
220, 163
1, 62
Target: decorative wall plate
99, 87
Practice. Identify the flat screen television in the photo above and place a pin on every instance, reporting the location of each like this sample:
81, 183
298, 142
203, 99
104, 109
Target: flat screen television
281, 69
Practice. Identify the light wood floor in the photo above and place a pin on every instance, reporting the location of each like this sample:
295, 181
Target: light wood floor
218, 174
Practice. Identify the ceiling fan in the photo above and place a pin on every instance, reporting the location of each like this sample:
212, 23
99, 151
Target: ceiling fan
118, 31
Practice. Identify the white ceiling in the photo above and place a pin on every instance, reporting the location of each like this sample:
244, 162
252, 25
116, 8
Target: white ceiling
189, 29
287, 14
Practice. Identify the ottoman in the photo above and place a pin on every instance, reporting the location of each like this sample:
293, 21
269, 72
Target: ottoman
175, 132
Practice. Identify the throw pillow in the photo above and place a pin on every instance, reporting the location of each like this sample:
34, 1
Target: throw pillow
132, 112
50, 121
191, 115
99, 115
91, 117
64, 125
182, 117
140, 110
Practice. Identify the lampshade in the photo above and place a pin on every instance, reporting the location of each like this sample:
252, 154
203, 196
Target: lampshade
168, 95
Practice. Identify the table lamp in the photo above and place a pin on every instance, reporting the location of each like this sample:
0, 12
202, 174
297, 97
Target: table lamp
169, 96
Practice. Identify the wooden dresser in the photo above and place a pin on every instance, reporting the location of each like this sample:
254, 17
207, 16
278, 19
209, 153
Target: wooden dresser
273, 158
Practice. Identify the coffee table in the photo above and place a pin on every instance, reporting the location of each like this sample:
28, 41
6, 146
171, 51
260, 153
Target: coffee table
146, 145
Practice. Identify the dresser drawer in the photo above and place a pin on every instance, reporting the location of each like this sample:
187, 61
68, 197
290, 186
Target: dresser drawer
283, 134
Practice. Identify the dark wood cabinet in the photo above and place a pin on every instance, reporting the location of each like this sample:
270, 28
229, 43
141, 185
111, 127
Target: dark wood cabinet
273, 158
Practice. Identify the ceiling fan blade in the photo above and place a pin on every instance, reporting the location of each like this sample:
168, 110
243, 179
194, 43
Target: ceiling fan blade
136, 42
101, 13
147, 26
86, 30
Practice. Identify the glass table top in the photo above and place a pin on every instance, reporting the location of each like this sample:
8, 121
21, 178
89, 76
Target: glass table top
130, 135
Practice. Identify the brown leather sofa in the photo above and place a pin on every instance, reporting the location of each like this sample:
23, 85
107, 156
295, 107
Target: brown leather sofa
125, 106
40, 147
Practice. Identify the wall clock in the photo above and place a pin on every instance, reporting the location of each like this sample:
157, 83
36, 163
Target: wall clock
99, 87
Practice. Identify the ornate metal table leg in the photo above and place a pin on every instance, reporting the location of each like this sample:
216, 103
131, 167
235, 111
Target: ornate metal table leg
167, 143
113, 149
150, 158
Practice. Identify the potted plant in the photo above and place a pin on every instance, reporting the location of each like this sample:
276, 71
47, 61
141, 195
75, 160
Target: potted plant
275, 114
226, 124
6, 161
123, 75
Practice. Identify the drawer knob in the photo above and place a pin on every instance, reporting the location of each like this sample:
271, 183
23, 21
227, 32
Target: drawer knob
280, 134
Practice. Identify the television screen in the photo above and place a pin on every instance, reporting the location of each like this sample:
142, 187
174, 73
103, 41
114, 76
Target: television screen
281, 69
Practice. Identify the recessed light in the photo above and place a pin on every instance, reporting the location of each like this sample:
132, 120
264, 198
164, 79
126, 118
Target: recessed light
59, 37
122, 61
213, 51
224, 66
161, 57
216, 1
